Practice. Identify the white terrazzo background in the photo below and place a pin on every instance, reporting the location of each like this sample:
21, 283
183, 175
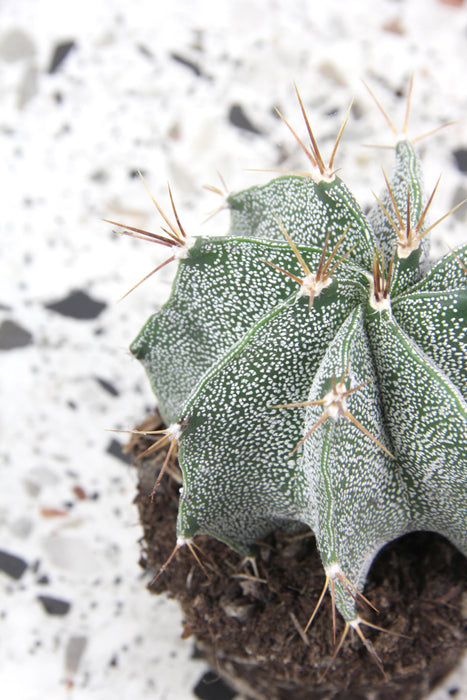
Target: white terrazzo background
71, 142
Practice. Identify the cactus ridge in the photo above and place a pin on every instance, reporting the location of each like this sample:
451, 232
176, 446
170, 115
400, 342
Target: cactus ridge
312, 370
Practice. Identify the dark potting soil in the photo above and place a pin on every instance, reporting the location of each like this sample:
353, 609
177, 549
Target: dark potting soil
248, 619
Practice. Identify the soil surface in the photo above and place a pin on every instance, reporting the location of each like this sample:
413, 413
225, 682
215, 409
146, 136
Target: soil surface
248, 618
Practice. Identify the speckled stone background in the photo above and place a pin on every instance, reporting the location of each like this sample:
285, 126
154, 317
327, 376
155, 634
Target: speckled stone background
90, 93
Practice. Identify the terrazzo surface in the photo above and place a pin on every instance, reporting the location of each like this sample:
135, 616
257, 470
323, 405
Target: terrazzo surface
90, 94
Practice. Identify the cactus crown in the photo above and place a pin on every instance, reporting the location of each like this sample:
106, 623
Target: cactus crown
312, 371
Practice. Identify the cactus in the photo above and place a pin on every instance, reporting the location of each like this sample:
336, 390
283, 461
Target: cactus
311, 370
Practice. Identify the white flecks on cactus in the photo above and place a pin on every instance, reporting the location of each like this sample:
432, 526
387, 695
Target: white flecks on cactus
328, 392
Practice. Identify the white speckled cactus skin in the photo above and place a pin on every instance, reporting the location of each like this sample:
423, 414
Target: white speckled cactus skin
313, 372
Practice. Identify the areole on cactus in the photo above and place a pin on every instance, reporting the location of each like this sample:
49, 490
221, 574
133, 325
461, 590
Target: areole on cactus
312, 371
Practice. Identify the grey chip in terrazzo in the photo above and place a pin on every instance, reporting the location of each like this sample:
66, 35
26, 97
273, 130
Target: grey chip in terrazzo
12, 335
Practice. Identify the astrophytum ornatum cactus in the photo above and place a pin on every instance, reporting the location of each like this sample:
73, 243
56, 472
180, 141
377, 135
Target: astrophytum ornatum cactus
312, 371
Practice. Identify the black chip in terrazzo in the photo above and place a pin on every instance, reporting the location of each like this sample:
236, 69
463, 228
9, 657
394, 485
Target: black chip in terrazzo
61, 51
135, 173
77, 305
108, 386
12, 336
461, 159
187, 63
115, 449
12, 565
238, 118
211, 687
54, 606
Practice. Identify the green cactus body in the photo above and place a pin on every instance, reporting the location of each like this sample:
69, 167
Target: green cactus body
313, 384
